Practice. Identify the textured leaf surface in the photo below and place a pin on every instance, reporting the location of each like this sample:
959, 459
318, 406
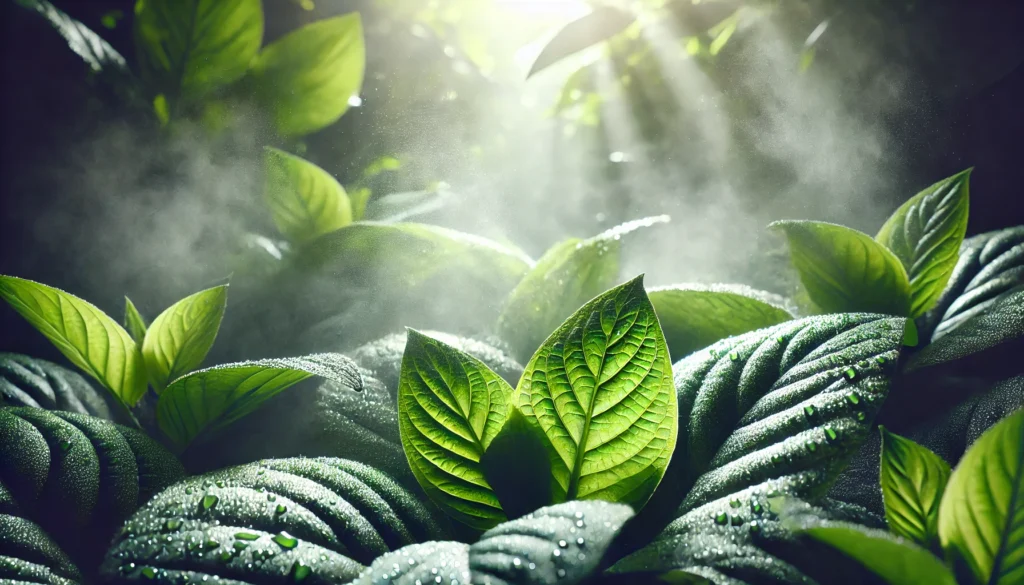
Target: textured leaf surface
450, 408
844, 270
84, 334
27, 555
420, 563
981, 518
305, 201
210, 399
307, 77
279, 521
925, 233
94, 51
913, 479
568, 275
600, 389
74, 474
179, 338
133, 322
193, 47
601, 24
26, 381
693, 316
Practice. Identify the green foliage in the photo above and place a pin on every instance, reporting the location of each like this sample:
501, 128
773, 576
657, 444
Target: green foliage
305, 201
26, 381
30, 556
913, 479
133, 322
451, 406
307, 77
517, 467
844, 270
179, 338
925, 233
602, 23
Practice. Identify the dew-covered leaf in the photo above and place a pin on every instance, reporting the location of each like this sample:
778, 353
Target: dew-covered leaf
450, 408
925, 233
26, 381
694, 316
28, 555
913, 479
602, 23
179, 338
420, 563
305, 201
600, 390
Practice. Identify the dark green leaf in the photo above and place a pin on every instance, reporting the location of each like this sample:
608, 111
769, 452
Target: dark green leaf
517, 467
28, 554
601, 24
134, 322
925, 233
305, 201
913, 479
981, 518
420, 562
26, 381
450, 408
694, 316
844, 270
179, 338
600, 389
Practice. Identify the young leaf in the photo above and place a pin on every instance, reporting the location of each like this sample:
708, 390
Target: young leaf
897, 561
601, 24
694, 316
308, 76
179, 338
208, 400
450, 408
84, 334
190, 48
913, 479
925, 233
981, 518
568, 275
844, 270
600, 388
305, 200
134, 322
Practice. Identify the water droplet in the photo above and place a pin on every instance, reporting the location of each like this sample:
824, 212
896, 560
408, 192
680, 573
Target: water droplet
188, 491
861, 416
811, 446
172, 525
580, 541
220, 483
735, 503
224, 556
780, 339
148, 573
247, 536
734, 356
280, 509
809, 411
532, 566
209, 501
271, 497
880, 360
714, 354
210, 544
775, 458
579, 523
556, 553
756, 507
240, 546
755, 527
65, 445
516, 562
830, 434
850, 374
562, 543
853, 399
286, 540
737, 520
721, 518
299, 571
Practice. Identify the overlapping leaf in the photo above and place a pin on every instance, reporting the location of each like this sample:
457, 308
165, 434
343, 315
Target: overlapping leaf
26, 381
913, 479
133, 322
602, 23
28, 555
305, 201
179, 338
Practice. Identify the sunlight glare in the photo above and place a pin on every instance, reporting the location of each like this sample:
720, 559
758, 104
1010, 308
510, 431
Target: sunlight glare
560, 8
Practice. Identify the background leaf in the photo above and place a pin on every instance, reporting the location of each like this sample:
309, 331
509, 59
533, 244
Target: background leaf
913, 479
602, 23
600, 389
694, 316
134, 322
844, 270
307, 77
179, 338
925, 233
26, 381
981, 518
84, 334
517, 467
305, 201
210, 399
450, 408
29, 553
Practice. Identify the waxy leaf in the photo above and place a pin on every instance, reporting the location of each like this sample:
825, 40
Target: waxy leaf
600, 389
913, 479
307, 77
844, 270
981, 518
27, 381
602, 23
450, 408
84, 334
925, 233
694, 316
179, 338
134, 322
305, 201
207, 400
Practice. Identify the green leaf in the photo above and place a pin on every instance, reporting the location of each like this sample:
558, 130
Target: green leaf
844, 270
600, 389
601, 24
27, 381
30, 553
84, 334
208, 400
694, 316
134, 322
913, 479
897, 561
517, 467
179, 338
305, 200
568, 275
101, 58
981, 518
450, 408
307, 77
925, 233
190, 48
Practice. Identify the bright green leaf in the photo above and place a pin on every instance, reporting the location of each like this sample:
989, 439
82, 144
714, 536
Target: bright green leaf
308, 76
179, 338
600, 388
981, 518
694, 316
208, 400
305, 200
134, 322
897, 561
913, 479
925, 233
84, 334
162, 110
601, 24
450, 408
844, 270
189, 48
